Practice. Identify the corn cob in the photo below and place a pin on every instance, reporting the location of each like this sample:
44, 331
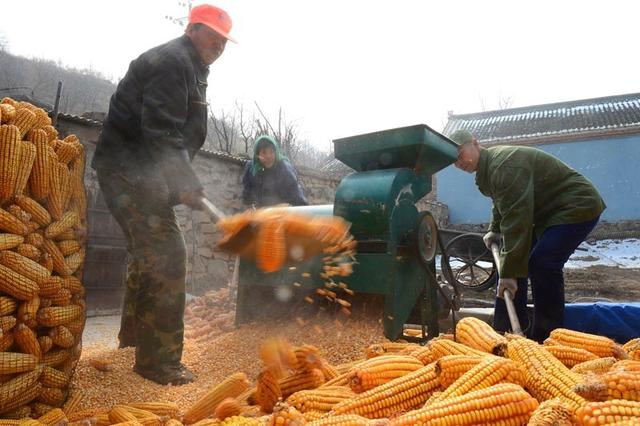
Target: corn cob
12, 224
24, 121
10, 152
27, 158
38, 409
347, 420
267, 390
271, 248
232, 386
68, 247
76, 326
66, 152
569, 356
503, 404
7, 305
51, 132
45, 343
119, 414
627, 365
17, 285
54, 417
18, 413
29, 251
17, 212
13, 388
6, 342
598, 345
403, 393
173, 422
477, 334
383, 348
59, 265
616, 384
68, 220
450, 367
606, 413
51, 286
73, 401
421, 353
21, 399
27, 311
66, 188
9, 241
7, 322
277, 355
54, 378
69, 234
306, 357
382, 369
52, 396
42, 118
30, 422
55, 199
46, 261
9, 101
61, 336
24, 266
321, 399
35, 239
286, 415
27, 341
75, 260
311, 416
7, 113
596, 366
632, 348
226, 408
40, 179
300, 381
240, 421
442, 347
58, 315
146, 418
61, 298
546, 376
489, 372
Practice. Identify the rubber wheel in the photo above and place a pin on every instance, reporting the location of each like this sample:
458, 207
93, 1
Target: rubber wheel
465, 263
425, 237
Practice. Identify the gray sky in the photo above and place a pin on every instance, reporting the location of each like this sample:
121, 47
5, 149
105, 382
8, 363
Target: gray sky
344, 67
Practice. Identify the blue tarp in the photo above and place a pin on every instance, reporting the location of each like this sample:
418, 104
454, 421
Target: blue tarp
619, 321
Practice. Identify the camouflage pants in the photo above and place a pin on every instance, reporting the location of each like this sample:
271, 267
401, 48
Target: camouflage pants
154, 300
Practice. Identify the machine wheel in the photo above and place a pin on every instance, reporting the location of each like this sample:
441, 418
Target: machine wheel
466, 262
426, 237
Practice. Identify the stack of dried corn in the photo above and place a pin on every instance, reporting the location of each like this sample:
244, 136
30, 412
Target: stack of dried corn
42, 230
209, 315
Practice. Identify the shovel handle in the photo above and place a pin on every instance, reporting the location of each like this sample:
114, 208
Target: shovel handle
508, 297
214, 213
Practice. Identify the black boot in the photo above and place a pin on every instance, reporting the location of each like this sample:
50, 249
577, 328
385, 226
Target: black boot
175, 374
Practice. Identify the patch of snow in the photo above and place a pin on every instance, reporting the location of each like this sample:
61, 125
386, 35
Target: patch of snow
620, 253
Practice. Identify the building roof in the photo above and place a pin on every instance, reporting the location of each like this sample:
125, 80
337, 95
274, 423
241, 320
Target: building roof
554, 122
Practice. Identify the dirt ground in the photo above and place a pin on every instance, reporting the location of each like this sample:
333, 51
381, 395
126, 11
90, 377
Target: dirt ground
603, 283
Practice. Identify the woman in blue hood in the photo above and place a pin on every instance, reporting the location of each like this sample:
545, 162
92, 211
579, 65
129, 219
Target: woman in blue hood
270, 178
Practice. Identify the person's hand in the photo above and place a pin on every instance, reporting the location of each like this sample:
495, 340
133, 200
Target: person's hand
192, 199
492, 238
510, 284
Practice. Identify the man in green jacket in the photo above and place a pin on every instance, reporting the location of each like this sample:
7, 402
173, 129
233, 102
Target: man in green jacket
542, 211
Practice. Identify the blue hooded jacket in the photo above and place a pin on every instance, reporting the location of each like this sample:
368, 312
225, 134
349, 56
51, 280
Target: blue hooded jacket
267, 187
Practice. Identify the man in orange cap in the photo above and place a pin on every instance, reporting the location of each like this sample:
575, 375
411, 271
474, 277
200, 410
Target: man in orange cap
157, 121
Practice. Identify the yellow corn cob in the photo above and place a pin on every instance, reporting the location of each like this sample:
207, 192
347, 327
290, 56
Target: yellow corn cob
69, 234
73, 401
42, 118
27, 341
9, 241
477, 334
17, 285
12, 224
56, 357
267, 390
232, 386
68, 220
66, 186
66, 152
54, 378
68, 247
627, 365
450, 367
226, 408
27, 158
38, 409
35, 239
21, 398
615, 384
381, 369
9, 101
10, 153
119, 414
52, 396
546, 376
13, 388
7, 113
40, 178
54, 417
422, 353
6, 342
50, 286
18, 413
277, 355
491, 371
58, 315
51, 132
17, 212
383, 348
46, 261
300, 381
27, 311
632, 348
61, 298
76, 326
321, 399
75, 260
7, 305
210, 422
173, 422
45, 343
347, 420
307, 357
552, 412
59, 264
606, 413
504, 404
7, 322
597, 366
442, 347
311, 416
29, 251
61, 336
24, 266
24, 121
569, 356
286, 415
400, 394
146, 418
240, 421
598, 345
55, 200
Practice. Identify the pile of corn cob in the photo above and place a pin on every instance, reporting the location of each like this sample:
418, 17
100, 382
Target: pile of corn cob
478, 377
42, 233
209, 315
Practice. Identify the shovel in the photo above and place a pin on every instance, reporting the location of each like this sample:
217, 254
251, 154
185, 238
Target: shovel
238, 242
508, 297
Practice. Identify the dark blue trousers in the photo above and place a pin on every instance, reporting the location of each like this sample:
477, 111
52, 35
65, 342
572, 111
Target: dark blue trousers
547, 258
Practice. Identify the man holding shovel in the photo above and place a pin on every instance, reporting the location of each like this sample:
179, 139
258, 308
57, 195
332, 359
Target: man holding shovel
542, 211
157, 121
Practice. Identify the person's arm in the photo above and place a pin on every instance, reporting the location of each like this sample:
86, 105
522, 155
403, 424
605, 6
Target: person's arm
165, 101
494, 224
291, 189
513, 198
247, 185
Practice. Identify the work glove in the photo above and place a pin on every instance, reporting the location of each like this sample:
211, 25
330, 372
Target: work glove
192, 199
492, 238
510, 284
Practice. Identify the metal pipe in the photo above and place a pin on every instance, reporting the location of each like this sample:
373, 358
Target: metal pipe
508, 297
